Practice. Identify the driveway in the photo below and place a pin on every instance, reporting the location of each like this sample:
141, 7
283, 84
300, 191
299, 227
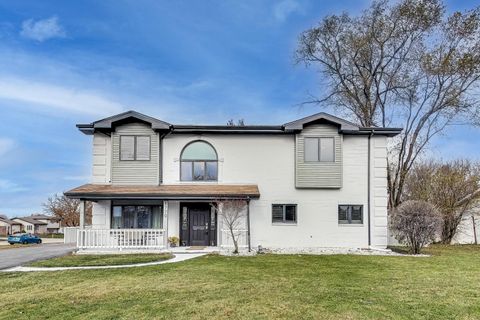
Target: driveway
19, 256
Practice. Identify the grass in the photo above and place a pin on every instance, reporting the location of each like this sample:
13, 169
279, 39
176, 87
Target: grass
443, 286
99, 260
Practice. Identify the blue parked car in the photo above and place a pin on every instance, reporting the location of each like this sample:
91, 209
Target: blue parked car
23, 238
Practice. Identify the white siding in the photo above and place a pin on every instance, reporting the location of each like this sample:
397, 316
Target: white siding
269, 162
101, 158
101, 214
379, 195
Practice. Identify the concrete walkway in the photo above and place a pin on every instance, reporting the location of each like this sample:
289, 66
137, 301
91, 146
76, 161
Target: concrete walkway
176, 258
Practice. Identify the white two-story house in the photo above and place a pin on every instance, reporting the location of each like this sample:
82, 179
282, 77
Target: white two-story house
316, 182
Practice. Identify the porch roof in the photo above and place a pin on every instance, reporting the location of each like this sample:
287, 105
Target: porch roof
164, 192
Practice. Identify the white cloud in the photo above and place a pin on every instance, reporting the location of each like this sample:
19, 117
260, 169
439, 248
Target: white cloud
9, 186
58, 97
285, 8
6, 145
42, 30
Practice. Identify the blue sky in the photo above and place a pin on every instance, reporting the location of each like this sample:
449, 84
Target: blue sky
68, 62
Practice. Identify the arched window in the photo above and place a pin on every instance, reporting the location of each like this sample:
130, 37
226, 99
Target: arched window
198, 162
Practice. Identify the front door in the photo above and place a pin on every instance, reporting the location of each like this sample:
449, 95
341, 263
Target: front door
197, 225
199, 222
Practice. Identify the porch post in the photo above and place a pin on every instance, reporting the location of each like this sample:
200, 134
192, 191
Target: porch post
82, 214
248, 225
165, 223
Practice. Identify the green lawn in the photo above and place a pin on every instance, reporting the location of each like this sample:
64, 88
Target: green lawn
99, 260
444, 286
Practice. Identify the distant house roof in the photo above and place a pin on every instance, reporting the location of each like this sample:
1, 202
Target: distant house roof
43, 217
6, 220
30, 220
108, 124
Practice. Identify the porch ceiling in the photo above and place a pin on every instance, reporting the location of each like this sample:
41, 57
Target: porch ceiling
165, 192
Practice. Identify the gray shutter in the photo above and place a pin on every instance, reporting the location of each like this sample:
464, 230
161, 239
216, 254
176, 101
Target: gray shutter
143, 148
311, 149
127, 148
327, 150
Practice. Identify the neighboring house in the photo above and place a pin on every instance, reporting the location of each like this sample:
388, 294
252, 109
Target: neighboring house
317, 182
31, 225
53, 223
469, 227
8, 226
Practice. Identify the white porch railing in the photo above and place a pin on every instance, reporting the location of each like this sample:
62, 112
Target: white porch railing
121, 239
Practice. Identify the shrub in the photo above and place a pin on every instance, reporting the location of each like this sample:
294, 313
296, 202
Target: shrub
415, 223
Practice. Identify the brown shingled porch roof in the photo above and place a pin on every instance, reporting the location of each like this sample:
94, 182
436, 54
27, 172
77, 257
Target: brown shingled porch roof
165, 192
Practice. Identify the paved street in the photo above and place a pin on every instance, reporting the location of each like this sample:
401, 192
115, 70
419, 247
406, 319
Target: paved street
19, 256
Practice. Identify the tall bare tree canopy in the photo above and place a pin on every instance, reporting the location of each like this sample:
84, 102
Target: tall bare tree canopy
68, 210
401, 64
453, 187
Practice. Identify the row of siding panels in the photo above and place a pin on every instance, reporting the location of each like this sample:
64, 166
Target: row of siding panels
318, 174
135, 172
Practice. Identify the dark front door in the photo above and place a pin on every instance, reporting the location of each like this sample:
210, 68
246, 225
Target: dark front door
199, 230
198, 225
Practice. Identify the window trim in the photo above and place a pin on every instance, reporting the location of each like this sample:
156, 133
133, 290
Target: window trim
135, 147
318, 138
284, 221
349, 220
198, 160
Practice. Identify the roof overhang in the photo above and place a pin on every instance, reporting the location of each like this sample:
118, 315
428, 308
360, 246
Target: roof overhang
164, 192
108, 124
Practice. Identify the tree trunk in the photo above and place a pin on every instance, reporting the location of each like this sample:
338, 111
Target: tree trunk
234, 240
474, 230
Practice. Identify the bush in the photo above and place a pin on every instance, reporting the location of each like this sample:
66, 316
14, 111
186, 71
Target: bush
415, 223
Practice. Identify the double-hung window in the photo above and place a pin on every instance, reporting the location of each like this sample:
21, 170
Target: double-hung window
134, 148
284, 213
319, 149
350, 214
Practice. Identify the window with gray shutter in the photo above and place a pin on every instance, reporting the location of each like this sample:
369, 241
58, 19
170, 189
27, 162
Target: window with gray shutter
134, 148
127, 148
350, 214
142, 148
319, 149
284, 213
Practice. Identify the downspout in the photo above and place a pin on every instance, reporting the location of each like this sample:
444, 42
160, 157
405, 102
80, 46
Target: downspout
248, 225
369, 192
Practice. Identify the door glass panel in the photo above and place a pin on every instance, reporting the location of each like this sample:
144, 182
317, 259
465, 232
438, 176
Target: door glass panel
184, 219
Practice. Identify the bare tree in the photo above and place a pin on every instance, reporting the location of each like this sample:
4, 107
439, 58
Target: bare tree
67, 210
453, 187
405, 64
415, 223
239, 123
233, 215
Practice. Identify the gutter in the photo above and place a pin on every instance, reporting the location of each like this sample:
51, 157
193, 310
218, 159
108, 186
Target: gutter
369, 188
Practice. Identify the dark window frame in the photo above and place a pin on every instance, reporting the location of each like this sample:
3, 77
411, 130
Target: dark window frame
135, 147
349, 220
193, 161
284, 209
319, 138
